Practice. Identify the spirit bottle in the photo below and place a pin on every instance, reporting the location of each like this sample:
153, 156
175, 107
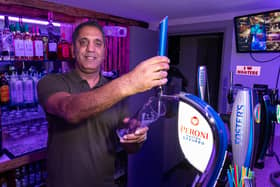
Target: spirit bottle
64, 49
4, 90
28, 89
38, 46
28, 44
52, 42
18, 43
12, 50
7, 41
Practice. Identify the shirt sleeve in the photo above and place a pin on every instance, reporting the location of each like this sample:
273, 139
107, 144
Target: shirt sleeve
49, 85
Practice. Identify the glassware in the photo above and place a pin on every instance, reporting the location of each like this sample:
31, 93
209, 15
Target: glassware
150, 112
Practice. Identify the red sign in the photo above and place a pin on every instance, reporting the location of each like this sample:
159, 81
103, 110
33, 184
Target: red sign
248, 70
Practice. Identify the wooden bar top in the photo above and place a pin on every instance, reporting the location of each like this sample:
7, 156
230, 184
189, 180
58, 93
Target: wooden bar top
7, 164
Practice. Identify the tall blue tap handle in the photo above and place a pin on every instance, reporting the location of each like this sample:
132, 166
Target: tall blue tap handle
163, 36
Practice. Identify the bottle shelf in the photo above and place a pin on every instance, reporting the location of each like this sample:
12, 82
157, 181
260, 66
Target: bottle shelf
5, 62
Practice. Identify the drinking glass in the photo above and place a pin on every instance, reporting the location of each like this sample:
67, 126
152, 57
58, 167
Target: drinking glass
151, 111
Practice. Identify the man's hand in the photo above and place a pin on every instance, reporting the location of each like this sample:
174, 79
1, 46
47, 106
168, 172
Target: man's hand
146, 75
139, 136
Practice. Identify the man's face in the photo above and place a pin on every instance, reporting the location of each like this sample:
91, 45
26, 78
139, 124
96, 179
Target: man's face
89, 50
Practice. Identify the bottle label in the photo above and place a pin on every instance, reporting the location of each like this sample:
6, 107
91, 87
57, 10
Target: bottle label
65, 51
5, 95
19, 47
28, 48
52, 47
39, 48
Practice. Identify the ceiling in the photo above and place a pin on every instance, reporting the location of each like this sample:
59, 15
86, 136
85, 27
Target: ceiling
152, 11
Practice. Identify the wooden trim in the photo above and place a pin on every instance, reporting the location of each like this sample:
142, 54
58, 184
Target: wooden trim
21, 161
62, 13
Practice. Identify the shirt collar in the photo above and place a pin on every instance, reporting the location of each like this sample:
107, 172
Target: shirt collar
76, 78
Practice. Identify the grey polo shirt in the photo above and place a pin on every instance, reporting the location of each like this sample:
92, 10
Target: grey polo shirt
81, 154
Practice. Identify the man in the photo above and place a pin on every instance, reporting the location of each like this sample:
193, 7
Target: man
84, 109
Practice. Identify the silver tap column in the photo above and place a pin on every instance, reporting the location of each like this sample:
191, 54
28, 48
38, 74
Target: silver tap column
202, 82
242, 129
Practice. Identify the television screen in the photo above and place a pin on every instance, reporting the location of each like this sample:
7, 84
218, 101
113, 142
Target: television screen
258, 32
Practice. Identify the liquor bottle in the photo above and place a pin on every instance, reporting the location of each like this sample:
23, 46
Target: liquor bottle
28, 44
6, 40
64, 49
18, 177
28, 89
45, 39
31, 176
4, 91
52, 42
12, 51
38, 46
36, 79
18, 43
18, 91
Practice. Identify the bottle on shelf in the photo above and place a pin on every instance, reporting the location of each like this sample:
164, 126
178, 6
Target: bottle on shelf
36, 79
18, 177
28, 44
12, 82
7, 41
28, 89
12, 51
18, 43
21, 26
52, 42
4, 91
45, 39
17, 90
64, 49
38, 46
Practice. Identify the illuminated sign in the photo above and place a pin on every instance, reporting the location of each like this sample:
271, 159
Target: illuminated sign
195, 136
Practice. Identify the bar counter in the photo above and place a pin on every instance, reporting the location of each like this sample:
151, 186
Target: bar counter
7, 163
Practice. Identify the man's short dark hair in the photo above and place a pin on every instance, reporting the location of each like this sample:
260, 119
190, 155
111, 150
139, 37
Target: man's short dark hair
89, 23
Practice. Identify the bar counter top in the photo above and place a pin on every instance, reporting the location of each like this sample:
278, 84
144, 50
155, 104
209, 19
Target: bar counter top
7, 163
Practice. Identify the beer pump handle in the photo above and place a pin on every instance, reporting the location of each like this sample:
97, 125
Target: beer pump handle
202, 82
162, 42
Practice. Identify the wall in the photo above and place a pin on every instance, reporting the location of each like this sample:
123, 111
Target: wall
225, 27
231, 58
269, 70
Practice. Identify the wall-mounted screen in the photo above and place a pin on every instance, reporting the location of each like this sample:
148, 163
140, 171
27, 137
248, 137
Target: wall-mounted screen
258, 32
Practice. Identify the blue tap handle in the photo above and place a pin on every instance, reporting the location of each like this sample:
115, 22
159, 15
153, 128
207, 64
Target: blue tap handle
163, 36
